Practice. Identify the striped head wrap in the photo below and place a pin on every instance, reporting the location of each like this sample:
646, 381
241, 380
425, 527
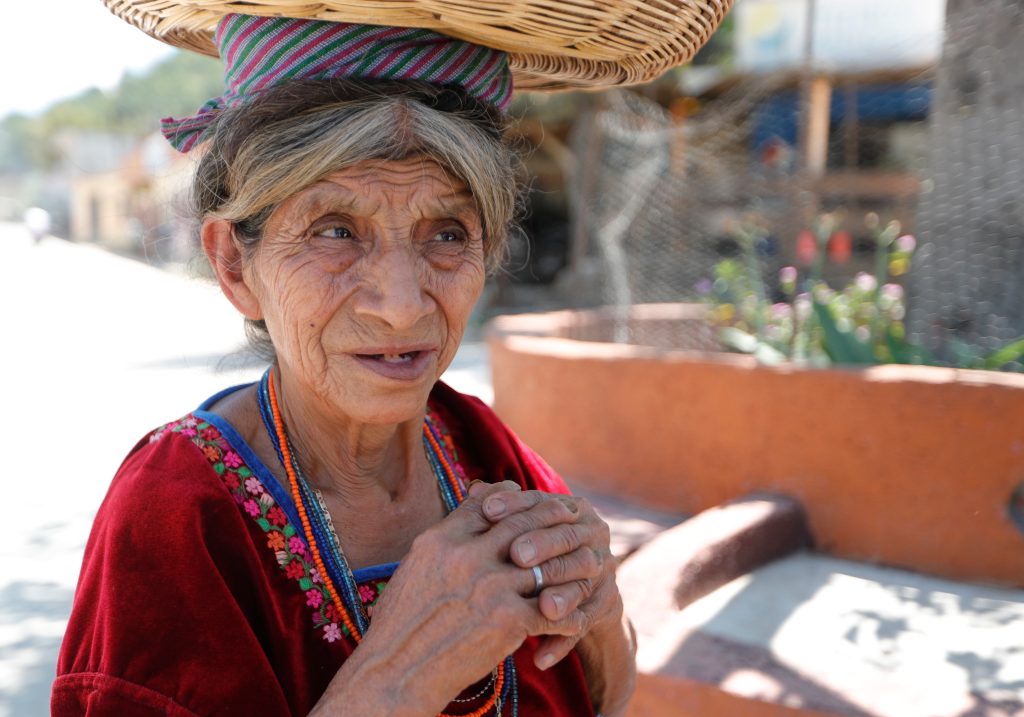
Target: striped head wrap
261, 52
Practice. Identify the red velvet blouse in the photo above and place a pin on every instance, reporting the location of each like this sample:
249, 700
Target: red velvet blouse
198, 596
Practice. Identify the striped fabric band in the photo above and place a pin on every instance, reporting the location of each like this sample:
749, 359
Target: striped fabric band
260, 52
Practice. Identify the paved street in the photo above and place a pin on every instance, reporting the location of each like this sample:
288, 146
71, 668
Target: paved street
96, 350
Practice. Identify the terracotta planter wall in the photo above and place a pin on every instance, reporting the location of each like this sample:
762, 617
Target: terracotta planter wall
903, 465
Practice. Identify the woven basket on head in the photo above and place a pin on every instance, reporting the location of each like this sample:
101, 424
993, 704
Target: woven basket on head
552, 44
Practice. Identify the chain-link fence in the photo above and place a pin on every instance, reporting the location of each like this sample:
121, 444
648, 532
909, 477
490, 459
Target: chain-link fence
857, 186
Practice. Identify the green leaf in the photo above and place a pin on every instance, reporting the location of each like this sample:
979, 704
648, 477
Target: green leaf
1013, 351
743, 342
841, 346
219, 468
243, 472
263, 523
738, 340
289, 530
965, 355
305, 583
906, 352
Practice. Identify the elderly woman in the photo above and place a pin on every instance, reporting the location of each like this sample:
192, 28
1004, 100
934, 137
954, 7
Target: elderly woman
348, 535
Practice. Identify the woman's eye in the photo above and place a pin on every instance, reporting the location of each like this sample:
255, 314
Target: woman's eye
448, 236
335, 233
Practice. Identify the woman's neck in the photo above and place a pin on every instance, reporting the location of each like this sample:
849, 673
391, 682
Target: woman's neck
362, 464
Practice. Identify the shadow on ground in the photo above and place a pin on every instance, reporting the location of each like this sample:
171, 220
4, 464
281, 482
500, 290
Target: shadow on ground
33, 614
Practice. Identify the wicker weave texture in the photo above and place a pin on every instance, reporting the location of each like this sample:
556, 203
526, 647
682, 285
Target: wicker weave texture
552, 44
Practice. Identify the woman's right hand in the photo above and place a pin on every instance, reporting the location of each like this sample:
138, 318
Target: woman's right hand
453, 610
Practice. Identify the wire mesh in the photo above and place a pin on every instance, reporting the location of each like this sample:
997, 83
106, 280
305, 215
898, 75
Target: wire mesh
739, 174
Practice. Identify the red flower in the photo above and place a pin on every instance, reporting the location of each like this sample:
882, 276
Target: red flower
295, 569
232, 481
275, 541
276, 516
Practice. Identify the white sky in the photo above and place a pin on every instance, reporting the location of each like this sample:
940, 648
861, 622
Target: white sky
54, 49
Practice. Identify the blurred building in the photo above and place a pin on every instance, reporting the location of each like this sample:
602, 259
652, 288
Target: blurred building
129, 199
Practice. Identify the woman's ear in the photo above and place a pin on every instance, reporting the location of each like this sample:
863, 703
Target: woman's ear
225, 255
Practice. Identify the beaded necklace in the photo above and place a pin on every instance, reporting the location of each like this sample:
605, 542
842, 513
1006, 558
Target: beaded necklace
319, 533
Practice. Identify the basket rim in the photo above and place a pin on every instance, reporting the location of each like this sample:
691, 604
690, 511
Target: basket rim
554, 45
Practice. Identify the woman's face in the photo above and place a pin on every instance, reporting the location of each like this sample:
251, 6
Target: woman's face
366, 281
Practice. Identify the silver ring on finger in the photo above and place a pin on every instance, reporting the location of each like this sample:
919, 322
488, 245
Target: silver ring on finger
538, 580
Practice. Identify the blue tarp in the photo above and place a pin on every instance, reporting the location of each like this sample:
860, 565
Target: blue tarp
776, 117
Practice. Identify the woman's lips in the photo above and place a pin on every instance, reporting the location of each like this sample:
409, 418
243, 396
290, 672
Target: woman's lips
396, 364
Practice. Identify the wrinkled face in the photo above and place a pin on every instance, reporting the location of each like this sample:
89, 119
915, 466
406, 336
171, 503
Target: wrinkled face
366, 281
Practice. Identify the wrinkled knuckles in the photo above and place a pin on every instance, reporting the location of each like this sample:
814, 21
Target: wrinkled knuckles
555, 570
568, 539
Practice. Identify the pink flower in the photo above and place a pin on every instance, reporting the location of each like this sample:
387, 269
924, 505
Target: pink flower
252, 508
332, 633
865, 282
906, 243
314, 598
893, 292
210, 433
296, 545
788, 275
251, 484
188, 432
366, 593
232, 459
314, 575
190, 422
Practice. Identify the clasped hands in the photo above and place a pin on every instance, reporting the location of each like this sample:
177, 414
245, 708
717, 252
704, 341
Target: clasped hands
564, 537
463, 597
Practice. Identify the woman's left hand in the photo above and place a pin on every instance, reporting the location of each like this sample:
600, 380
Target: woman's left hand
578, 569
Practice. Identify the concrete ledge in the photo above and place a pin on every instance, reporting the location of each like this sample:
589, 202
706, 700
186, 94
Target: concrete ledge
812, 636
713, 548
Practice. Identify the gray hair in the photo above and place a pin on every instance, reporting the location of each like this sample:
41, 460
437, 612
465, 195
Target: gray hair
293, 136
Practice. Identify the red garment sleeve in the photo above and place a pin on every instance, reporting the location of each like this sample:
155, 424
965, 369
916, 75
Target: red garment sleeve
170, 616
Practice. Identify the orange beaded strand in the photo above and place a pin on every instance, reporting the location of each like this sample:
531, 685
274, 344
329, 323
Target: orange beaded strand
293, 482
499, 683
452, 480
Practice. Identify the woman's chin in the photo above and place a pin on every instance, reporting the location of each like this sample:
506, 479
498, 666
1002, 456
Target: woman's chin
387, 393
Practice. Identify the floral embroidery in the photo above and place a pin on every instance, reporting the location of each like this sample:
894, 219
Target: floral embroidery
331, 632
290, 550
277, 517
250, 494
366, 594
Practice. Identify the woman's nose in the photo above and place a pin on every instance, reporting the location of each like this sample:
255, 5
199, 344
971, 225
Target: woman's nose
394, 291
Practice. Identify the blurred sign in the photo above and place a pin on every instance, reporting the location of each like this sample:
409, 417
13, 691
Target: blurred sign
849, 35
